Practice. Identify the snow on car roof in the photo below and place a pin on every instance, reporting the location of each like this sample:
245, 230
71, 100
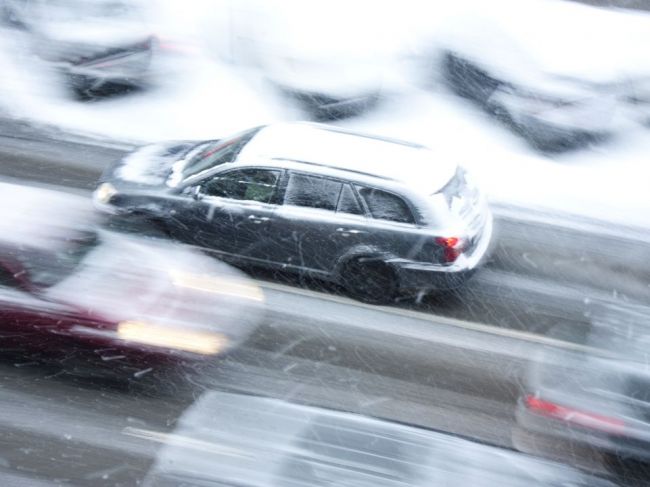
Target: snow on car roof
336, 148
39, 218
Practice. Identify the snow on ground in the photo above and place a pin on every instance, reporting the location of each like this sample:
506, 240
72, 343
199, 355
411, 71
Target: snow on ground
606, 182
195, 96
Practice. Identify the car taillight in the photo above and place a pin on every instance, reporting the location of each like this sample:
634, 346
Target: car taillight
574, 416
452, 247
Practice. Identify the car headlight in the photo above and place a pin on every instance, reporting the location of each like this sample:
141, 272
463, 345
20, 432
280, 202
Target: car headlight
199, 342
104, 193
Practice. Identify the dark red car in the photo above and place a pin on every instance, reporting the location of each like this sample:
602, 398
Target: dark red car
66, 287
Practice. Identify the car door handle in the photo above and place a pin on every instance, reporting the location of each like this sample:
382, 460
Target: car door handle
258, 219
349, 231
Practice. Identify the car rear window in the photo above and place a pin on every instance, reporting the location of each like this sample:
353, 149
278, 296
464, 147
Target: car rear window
386, 206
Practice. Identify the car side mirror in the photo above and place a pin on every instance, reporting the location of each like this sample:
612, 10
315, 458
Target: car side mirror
196, 192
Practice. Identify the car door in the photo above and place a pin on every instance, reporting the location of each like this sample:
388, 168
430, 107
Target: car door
236, 209
320, 219
394, 227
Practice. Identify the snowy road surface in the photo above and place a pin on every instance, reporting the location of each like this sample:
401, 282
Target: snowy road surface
452, 363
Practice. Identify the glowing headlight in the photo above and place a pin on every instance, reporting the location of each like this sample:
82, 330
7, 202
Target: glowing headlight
225, 286
201, 342
104, 193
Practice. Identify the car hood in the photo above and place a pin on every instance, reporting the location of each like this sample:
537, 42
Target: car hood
150, 165
166, 285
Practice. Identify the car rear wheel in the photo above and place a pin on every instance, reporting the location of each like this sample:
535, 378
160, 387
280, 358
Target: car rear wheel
370, 280
559, 449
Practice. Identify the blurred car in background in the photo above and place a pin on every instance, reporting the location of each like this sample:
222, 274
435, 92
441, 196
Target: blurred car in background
66, 287
314, 52
238, 440
93, 44
379, 216
593, 395
558, 76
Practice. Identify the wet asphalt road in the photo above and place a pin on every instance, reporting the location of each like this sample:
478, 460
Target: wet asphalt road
453, 362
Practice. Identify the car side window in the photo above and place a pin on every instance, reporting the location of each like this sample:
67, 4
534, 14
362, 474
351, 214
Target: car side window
246, 184
312, 192
7, 278
386, 206
348, 202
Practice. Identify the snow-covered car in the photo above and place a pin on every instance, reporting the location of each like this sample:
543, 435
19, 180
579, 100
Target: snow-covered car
92, 44
379, 216
332, 57
131, 302
593, 395
247, 441
557, 73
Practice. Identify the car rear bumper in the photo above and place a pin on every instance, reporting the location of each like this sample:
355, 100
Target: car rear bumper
548, 135
430, 276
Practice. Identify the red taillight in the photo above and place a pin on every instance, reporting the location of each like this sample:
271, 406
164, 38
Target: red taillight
574, 416
448, 241
452, 247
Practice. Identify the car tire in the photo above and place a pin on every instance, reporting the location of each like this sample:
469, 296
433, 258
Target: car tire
370, 280
627, 469
155, 227
558, 449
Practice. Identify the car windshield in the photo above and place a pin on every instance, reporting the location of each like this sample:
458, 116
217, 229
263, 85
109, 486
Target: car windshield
45, 268
220, 152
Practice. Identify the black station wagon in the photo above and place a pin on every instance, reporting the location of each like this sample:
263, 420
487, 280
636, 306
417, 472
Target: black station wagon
379, 216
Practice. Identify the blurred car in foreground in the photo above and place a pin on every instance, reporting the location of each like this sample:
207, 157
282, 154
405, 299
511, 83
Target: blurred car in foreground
246, 441
310, 51
65, 287
553, 76
378, 216
595, 394
92, 44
